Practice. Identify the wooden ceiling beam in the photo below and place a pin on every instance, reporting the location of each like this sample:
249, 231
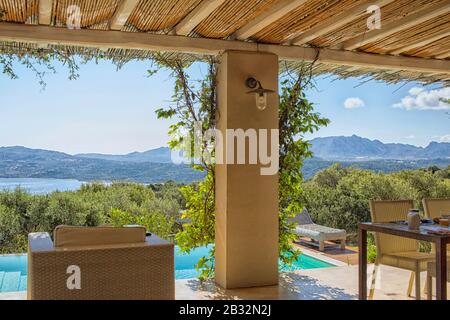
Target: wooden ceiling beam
443, 55
193, 19
265, 19
122, 13
399, 25
159, 42
421, 43
358, 59
45, 11
334, 22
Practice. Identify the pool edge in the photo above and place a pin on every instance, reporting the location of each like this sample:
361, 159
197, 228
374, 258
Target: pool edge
323, 257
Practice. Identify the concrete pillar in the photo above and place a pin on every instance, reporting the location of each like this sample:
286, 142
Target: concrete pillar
246, 201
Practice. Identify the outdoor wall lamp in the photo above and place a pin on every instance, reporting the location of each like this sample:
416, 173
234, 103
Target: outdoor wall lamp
259, 92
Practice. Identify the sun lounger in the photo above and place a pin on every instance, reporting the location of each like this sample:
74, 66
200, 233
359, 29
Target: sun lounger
307, 228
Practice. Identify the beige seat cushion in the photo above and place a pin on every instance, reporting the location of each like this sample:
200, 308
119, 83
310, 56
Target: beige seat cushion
407, 260
71, 236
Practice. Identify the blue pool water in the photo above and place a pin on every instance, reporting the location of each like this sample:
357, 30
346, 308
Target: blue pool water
13, 273
13, 268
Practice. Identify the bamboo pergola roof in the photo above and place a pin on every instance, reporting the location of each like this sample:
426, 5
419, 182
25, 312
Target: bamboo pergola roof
329, 36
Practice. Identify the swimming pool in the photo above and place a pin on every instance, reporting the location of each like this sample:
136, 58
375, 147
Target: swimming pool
13, 268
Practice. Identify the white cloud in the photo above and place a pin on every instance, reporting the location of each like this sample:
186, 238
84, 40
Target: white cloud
352, 103
420, 99
415, 91
444, 138
410, 137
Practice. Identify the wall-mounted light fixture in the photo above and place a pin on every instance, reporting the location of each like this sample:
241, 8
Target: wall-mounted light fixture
259, 92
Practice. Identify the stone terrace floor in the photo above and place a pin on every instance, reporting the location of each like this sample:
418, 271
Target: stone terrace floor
334, 283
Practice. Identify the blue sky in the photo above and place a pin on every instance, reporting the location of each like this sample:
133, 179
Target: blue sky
418, 120
112, 111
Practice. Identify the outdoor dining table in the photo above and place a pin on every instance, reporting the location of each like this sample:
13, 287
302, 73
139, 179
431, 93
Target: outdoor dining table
402, 230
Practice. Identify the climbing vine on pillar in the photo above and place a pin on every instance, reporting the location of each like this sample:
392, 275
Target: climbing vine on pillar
296, 118
196, 100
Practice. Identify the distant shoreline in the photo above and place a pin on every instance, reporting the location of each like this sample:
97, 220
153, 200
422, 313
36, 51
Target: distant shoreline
39, 186
45, 185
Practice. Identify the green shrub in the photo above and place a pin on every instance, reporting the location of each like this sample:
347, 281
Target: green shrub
371, 249
10, 226
339, 197
94, 204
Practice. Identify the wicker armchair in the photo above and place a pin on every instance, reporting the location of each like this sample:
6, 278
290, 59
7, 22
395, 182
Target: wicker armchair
397, 251
113, 263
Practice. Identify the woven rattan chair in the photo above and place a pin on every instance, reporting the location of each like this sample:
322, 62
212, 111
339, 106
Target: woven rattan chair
397, 251
435, 208
112, 263
307, 228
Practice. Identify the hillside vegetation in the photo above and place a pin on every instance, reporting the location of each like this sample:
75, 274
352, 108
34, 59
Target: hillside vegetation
154, 166
337, 197
20, 162
157, 207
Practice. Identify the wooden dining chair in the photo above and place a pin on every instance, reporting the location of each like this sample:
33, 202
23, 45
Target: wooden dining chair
435, 208
397, 251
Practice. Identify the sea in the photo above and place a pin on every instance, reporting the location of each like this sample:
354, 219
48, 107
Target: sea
40, 186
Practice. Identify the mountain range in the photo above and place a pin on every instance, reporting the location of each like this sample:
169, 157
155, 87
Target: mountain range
357, 148
161, 155
353, 148
155, 165
21, 162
